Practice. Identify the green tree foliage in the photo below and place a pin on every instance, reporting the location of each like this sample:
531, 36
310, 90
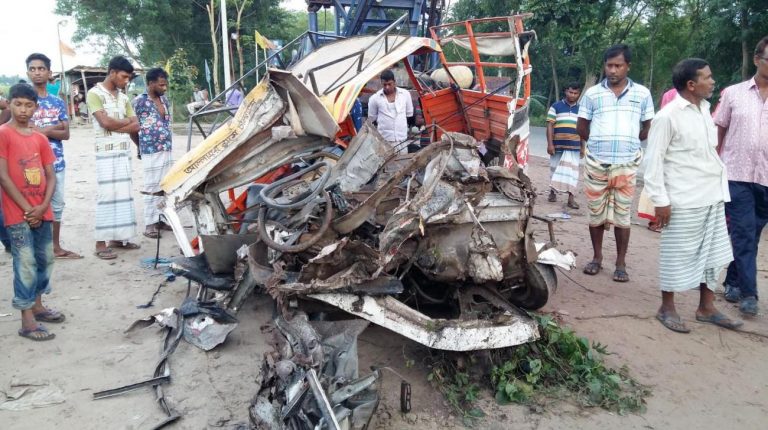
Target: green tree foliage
151, 31
573, 35
181, 78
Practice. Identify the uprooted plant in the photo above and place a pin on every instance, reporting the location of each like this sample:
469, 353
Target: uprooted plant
559, 365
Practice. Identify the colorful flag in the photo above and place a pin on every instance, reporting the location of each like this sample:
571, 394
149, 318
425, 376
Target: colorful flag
262, 41
66, 49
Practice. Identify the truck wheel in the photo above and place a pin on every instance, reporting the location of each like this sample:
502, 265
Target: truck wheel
540, 284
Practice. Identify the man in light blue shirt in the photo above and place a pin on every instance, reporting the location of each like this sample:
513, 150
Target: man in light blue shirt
235, 96
614, 116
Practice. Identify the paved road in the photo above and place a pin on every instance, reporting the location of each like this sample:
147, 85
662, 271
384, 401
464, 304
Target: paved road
537, 143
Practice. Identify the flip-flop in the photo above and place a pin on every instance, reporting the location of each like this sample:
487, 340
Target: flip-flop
29, 334
620, 275
126, 245
720, 320
50, 316
152, 234
654, 227
672, 323
68, 255
592, 268
105, 254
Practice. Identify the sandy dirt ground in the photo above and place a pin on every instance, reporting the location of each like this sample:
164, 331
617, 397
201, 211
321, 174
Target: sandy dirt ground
709, 379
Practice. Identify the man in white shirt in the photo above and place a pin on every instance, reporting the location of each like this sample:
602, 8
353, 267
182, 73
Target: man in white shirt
688, 184
390, 108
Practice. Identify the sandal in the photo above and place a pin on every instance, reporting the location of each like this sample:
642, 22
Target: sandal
673, 323
654, 227
38, 334
105, 254
593, 268
68, 255
50, 316
152, 234
125, 245
720, 320
574, 205
620, 275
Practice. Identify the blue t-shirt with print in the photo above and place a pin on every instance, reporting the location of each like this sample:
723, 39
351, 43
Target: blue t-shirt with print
51, 110
154, 128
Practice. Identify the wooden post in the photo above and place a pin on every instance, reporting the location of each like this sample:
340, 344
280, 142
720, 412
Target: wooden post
85, 92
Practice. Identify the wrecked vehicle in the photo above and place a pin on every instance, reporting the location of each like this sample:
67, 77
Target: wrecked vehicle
287, 196
436, 245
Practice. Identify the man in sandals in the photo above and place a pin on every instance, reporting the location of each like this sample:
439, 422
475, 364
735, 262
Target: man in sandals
688, 185
113, 123
28, 180
155, 142
51, 120
564, 145
614, 116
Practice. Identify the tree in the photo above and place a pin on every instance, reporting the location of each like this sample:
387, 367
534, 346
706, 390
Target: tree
210, 9
181, 76
240, 6
150, 31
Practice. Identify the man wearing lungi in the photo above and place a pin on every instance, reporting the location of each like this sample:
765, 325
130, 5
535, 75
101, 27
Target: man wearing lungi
742, 121
688, 185
614, 116
114, 121
564, 145
155, 141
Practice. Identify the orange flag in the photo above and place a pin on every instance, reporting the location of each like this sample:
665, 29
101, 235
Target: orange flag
66, 49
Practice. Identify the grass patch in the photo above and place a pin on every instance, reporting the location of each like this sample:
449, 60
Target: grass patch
560, 365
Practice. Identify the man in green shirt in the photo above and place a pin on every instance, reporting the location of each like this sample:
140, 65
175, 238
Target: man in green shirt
113, 123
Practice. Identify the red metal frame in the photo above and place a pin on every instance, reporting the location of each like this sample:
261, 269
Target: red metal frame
477, 63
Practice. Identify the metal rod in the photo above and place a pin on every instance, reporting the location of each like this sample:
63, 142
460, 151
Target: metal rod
322, 400
124, 389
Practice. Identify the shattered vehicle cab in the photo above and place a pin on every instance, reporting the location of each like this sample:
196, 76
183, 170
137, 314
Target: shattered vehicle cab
435, 245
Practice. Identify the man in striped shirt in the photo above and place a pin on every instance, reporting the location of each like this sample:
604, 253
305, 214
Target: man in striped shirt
614, 116
562, 139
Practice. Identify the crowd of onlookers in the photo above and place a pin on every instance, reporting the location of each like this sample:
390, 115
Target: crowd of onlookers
706, 175
705, 180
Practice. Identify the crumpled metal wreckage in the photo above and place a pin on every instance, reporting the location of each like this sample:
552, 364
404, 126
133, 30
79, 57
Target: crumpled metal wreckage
379, 235
310, 380
437, 246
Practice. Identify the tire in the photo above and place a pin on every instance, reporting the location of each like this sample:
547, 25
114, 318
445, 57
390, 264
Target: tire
540, 284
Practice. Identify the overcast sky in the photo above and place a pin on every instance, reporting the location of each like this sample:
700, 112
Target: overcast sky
30, 26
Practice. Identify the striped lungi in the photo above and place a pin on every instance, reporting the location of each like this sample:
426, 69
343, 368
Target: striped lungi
694, 249
155, 168
115, 214
609, 189
564, 166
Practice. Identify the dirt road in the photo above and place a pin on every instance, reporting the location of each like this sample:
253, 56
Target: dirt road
709, 379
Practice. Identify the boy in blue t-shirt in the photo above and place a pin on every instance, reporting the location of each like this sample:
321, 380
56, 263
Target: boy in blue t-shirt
52, 121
